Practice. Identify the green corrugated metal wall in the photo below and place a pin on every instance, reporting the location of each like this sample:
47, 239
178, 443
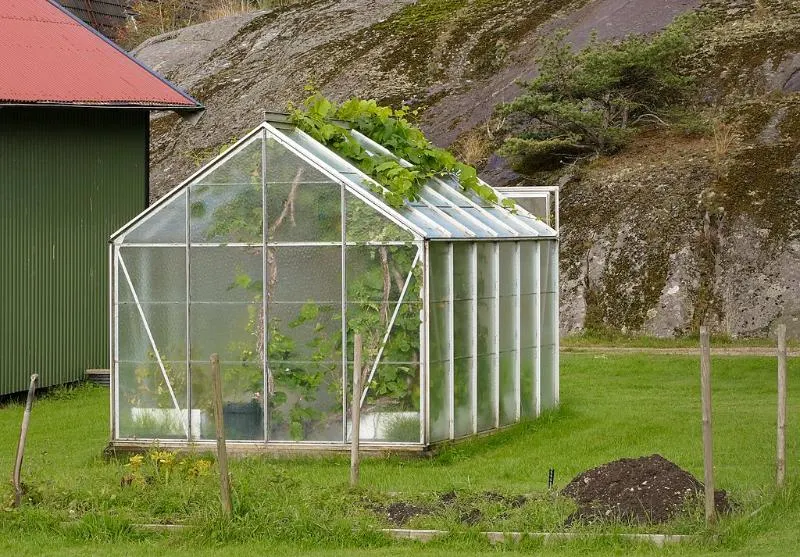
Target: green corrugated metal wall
68, 179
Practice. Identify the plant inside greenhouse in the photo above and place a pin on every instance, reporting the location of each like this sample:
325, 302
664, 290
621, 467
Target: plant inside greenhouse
317, 226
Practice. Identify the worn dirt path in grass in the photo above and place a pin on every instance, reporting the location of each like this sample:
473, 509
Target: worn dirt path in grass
678, 351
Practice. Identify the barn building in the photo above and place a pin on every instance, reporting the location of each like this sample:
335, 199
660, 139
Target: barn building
74, 148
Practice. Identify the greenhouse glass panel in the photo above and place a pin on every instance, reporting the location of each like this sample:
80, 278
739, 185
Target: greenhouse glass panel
240, 165
549, 324
509, 331
307, 212
529, 327
304, 343
364, 224
464, 342
166, 225
441, 340
156, 274
276, 255
229, 214
225, 274
147, 408
487, 334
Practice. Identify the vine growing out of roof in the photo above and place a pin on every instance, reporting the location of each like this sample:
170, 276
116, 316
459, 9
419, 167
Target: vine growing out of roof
330, 124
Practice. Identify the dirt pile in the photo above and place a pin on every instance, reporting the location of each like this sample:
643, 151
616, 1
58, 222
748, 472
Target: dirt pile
650, 489
466, 507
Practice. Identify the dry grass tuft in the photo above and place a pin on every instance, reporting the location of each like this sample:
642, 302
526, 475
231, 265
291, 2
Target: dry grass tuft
226, 8
473, 148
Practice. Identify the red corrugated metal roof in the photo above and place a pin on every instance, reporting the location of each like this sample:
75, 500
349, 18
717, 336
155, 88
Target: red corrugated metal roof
48, 56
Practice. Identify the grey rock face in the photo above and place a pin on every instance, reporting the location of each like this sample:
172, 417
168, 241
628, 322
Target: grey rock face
637, 252
758, 283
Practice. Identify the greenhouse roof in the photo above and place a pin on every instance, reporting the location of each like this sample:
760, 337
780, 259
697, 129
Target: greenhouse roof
444, 209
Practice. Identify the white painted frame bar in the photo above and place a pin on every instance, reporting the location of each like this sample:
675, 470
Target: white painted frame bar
518, 192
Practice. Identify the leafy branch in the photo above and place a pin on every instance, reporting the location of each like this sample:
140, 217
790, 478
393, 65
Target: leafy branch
330, 124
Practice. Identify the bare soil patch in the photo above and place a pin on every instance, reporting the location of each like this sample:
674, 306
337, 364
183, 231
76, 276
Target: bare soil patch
467, 508
645, 490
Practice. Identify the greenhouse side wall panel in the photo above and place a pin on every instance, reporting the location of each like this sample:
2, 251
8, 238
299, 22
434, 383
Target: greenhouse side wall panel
70, 178
549, 324
441, 340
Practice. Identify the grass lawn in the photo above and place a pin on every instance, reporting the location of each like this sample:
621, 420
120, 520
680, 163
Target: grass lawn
612, 406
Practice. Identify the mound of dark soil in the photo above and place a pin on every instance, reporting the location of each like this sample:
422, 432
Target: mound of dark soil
650, 489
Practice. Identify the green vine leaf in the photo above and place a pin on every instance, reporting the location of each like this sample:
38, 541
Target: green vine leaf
328, 123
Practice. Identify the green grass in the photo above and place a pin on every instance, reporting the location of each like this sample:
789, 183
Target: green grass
612, 407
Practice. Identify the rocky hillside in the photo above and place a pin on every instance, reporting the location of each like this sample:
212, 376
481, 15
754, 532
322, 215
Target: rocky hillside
678, 228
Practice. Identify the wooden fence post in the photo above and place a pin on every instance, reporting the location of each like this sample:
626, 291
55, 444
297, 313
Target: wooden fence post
222, 451
355, 413
23, 434
781, 457
708, 457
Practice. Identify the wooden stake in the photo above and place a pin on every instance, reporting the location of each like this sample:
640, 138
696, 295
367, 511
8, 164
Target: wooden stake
781, 459
23, 434
222, 452
355, 413
708, 457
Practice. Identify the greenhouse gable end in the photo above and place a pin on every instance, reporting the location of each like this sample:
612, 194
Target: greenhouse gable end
276, 254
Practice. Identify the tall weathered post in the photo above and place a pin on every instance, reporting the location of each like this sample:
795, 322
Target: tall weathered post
708, 457
222, 451
355, 413
780, 473
23, 434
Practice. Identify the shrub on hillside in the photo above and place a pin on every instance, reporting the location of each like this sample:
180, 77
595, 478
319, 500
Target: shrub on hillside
588, 103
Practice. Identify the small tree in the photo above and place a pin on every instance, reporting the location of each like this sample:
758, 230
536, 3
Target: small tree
589, 103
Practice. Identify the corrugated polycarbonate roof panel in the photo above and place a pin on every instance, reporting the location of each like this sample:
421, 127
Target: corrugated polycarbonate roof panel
48, 56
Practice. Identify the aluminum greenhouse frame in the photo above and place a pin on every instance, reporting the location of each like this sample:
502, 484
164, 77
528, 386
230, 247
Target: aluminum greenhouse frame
260, 254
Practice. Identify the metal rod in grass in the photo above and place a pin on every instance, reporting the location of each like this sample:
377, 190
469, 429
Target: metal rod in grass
222, 452
23, 434
780, 475
355, 412
708, 457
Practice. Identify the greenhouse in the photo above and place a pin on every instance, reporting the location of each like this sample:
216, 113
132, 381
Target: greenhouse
275, 255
